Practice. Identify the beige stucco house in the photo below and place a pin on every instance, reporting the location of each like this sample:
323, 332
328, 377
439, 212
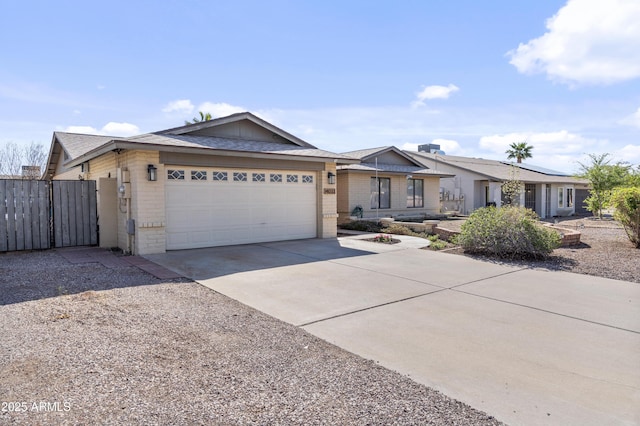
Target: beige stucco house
387, 182
478, 183
231, 180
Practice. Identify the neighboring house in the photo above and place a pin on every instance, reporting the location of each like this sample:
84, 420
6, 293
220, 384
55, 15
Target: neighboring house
231, 180
28, 172
387, 183
477, 183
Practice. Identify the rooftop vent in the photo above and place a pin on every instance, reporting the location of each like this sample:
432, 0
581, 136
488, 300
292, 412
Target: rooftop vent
431, 148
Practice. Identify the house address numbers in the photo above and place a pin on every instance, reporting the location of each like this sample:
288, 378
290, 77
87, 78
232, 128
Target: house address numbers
329, 191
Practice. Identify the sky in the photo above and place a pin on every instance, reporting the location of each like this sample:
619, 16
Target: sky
474, 77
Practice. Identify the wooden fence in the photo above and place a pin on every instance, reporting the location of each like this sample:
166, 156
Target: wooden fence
37, 214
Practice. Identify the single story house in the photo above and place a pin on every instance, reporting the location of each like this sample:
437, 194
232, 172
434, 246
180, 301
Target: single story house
231, 180
478, 183
386, 182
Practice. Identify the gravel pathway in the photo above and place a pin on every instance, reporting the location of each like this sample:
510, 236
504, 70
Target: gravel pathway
87, 344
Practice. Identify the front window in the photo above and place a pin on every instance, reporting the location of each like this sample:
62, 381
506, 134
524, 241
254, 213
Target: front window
415, 196
561, 197
569, 197
380, 193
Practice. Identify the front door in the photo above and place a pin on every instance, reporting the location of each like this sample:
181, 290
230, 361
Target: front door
530, 196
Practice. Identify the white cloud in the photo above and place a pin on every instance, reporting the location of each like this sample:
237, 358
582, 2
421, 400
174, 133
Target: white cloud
633, 119
183, 106
449, 146
120, 129
587, 42
434, 92
221, 109
110, 129
628, 153
561, 142
85, 130
555, 150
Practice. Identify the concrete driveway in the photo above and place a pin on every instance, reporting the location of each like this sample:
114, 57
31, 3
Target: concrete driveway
527, 346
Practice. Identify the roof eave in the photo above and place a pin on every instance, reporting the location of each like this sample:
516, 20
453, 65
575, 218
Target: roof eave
127, 145
387, 172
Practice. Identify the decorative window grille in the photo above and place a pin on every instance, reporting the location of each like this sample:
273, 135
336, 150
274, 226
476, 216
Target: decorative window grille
275, 177
175, 174
292, 178
239, 176
220, 176
258, 177
198, 175
307, 179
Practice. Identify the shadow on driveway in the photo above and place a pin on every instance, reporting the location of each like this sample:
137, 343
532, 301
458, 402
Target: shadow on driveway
213, 262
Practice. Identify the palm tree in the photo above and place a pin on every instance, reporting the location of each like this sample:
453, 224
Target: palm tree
520, 151
203, 117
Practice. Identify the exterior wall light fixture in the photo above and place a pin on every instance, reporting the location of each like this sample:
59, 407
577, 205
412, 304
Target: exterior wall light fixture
331, 178
152, 173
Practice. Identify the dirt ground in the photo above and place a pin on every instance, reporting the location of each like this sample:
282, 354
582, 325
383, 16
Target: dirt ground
604, 250
88, 344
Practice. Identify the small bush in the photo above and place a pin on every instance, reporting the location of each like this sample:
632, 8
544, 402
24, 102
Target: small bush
362, 225
398, 229
436, 242
626, 202
507, 232
382, 238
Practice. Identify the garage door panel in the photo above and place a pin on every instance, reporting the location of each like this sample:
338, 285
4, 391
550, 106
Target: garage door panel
213, 213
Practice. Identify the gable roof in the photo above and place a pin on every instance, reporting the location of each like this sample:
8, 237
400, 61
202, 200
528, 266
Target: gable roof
497, 170
78, 148
195, 127
369, 155
369, 164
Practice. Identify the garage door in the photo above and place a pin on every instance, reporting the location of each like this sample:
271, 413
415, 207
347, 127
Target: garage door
214, 207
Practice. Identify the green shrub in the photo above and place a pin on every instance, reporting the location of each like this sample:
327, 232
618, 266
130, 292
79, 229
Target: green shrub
397, 229
626, 202
436, 242
507, 232
362, 225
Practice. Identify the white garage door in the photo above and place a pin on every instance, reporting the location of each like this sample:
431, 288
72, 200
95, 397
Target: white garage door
208, 207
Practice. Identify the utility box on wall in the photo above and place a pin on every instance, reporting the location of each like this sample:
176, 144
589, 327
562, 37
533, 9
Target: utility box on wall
131, 226
124, 190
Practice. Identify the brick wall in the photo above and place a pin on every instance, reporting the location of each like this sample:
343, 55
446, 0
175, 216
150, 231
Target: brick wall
328, 204
147, 202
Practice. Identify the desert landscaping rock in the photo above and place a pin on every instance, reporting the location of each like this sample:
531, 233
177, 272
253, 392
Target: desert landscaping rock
89, 344
604, 251
92, 345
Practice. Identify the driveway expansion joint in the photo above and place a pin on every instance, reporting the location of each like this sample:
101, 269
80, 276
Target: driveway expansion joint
545, 311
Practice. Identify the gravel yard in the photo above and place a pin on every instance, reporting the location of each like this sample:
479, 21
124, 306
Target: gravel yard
604, 250
86, 344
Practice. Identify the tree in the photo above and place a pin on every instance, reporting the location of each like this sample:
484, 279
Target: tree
203, 117
603, 177
24, 161
626, 202
520, 151
512, 188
